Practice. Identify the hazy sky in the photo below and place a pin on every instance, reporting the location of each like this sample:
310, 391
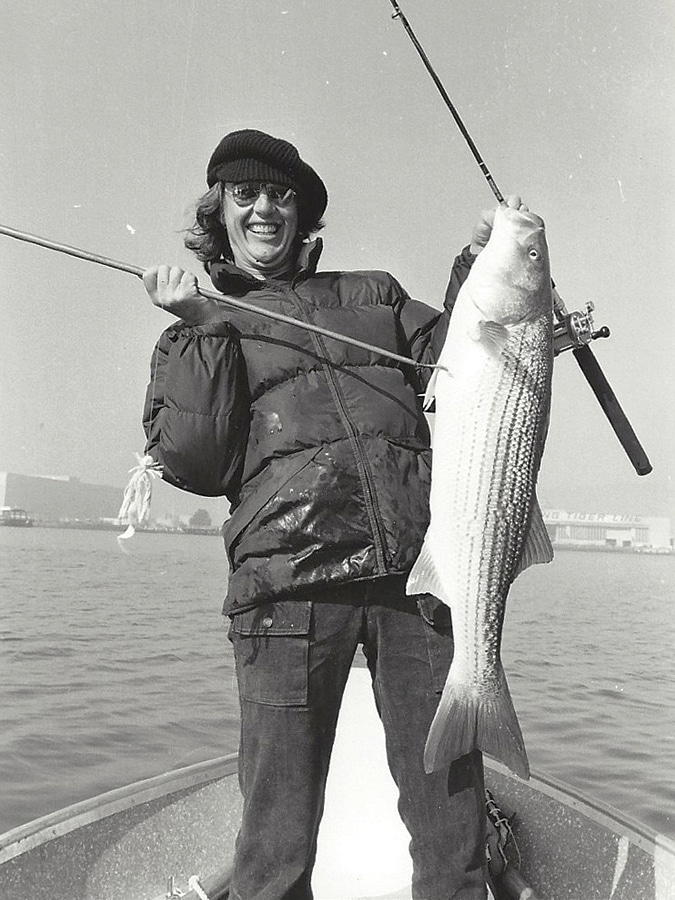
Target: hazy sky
110, 111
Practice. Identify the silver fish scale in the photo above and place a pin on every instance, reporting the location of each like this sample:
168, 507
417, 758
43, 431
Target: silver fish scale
492, 408
499, 443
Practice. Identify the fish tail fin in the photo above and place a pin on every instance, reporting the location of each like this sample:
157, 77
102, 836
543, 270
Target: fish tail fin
466, 720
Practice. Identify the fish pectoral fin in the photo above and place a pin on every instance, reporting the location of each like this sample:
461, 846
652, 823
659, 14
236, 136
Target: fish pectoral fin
491, 335
424, 576
467, 720
538, 547
430, 393
432, 386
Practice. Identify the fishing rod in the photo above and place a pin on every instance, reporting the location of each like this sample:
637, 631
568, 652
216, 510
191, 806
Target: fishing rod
572, 331
221, 298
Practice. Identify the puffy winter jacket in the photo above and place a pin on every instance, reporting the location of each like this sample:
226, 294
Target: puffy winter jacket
321, 447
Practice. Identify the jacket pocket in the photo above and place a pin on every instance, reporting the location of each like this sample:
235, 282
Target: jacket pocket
255, 498
271, 651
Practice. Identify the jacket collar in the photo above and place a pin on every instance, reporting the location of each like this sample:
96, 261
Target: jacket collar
229, 279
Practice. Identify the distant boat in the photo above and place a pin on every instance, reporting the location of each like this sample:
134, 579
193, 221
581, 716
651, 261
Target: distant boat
12, 515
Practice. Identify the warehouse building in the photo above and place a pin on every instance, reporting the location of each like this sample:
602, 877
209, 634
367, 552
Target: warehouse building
52, 500
607, 530
59, 499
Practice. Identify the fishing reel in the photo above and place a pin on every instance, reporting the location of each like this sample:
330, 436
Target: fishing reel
576, 329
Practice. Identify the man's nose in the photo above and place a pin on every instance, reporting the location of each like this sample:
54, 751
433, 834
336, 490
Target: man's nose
263, 202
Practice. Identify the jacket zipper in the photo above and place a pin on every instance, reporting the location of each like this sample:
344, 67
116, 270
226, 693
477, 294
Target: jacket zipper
362, 464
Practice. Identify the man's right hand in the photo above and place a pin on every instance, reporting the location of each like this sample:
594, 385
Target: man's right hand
175, 290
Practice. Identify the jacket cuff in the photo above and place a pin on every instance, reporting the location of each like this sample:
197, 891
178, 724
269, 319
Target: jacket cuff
209, 329
458, 275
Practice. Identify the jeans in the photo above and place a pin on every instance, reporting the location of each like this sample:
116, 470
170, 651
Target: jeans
292, 659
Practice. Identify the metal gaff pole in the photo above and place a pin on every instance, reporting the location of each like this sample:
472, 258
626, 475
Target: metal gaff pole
221, 298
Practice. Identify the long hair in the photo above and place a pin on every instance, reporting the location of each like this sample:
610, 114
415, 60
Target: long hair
207, 236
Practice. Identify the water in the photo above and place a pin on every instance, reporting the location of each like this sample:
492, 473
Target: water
588, 650
115, 666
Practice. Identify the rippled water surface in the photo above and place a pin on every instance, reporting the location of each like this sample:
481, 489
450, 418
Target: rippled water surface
115, 666
588, 648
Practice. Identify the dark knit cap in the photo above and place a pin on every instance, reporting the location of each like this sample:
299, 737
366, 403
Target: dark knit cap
251, 155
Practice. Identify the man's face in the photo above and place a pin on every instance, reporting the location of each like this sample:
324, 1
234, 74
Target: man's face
262, 234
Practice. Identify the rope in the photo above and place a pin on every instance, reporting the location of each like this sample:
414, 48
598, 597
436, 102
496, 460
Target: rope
137, 494
502, 826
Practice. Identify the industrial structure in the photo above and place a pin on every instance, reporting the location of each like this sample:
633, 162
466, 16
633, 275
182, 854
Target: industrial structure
607, 531
67, 499
59, 499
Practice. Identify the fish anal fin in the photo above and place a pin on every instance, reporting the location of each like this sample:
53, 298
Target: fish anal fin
491, 335
467, 720
424, 576
538, 547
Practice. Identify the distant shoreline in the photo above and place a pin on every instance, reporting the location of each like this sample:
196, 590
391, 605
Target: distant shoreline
216, 530
119, 527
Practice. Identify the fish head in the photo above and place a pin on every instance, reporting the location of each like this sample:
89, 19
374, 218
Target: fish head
514, 275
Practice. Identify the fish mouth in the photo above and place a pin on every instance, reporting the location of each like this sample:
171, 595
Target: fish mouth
524, 216
534, 219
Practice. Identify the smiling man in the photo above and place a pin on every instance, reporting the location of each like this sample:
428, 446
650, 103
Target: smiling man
271, 200
324, 452
262, 224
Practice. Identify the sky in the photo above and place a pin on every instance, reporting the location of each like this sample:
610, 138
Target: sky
109, 113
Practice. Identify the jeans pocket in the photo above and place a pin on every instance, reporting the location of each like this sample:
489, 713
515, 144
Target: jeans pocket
438, 633
271, 651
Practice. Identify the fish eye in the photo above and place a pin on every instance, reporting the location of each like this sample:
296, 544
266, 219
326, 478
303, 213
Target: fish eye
533, 254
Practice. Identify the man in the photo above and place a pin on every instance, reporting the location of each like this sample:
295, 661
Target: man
323, 450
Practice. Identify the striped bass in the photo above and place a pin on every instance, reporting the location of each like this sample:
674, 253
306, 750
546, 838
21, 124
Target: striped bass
492, 408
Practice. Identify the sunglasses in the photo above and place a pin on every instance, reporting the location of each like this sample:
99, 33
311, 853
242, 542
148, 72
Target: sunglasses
245, 193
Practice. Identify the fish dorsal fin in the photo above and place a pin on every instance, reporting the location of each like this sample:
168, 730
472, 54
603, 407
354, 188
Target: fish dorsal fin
490, 335
537, 547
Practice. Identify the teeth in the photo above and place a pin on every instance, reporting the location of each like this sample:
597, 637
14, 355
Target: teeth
264, 228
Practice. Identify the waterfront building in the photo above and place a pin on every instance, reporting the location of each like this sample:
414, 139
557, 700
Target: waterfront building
606, 530
59, 499
67, 499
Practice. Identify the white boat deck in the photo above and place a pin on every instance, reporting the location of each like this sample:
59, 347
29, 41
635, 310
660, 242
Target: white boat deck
370, 858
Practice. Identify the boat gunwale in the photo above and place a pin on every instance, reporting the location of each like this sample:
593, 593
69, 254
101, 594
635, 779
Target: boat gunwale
603, 814
63, 821
68, 819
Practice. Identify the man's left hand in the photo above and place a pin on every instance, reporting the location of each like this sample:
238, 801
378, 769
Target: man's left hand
483, 229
